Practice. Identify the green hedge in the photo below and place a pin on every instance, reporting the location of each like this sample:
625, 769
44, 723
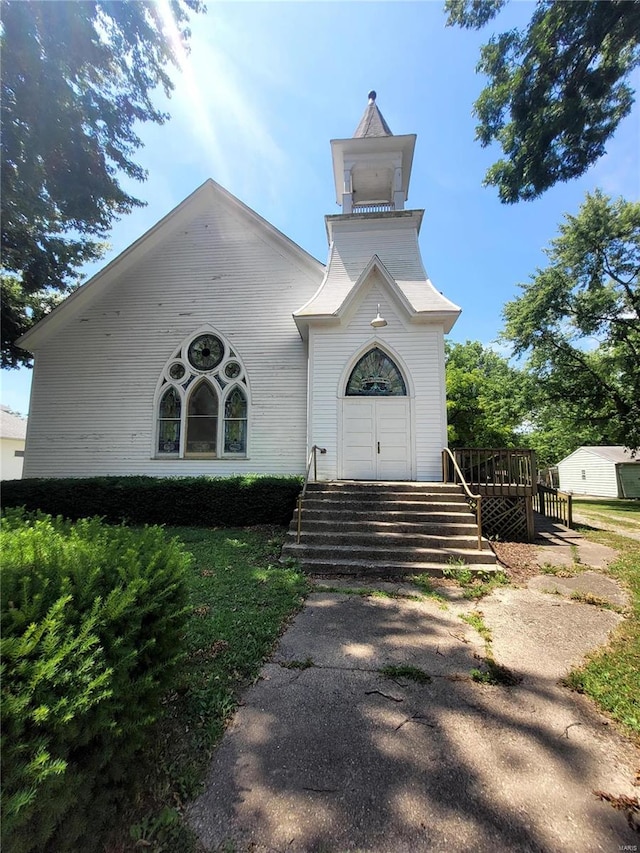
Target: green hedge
92, 621
182, 501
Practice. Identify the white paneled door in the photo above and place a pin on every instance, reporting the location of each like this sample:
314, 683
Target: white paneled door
376, 438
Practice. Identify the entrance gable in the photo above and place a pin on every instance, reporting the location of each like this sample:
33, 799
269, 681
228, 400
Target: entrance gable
375, 275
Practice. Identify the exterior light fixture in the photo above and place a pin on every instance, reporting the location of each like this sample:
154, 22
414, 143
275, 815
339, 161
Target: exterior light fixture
378, 322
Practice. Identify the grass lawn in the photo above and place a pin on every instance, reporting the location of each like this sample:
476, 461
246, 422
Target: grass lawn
611, 676
620, 513
241, 597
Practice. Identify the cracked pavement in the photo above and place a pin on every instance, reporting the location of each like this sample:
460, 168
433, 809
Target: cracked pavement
337, 756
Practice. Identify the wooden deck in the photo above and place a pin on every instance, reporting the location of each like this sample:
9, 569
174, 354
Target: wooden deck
505, 478
498, 472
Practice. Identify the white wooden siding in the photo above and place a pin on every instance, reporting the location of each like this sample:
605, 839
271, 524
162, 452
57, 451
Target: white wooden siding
10, 464
93, 388
420, 350
600, 474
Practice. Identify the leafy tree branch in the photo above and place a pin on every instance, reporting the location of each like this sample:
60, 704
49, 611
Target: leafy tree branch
77, 79
557, 89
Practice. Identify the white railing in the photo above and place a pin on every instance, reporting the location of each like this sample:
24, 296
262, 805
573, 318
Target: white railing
383, 207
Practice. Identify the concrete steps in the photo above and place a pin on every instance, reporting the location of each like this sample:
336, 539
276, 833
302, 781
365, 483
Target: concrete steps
386, 529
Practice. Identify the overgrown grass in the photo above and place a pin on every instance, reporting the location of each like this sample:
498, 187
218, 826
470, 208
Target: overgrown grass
611, 676
594, 600
412, 673
493, 672
241, 598
475, 584
425, 584
476, 620
366, 592
563, 571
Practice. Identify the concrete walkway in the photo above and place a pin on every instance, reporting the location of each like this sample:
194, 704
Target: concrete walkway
559, 546
332, 752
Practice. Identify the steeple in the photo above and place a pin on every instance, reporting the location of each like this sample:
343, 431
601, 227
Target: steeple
372, 169
372, 122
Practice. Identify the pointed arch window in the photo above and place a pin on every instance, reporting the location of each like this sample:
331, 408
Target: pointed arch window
235, 422
203, 401
376, 375
202, 420
169, 422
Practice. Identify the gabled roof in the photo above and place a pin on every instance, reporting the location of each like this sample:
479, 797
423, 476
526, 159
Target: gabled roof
372, 122
208, 193
11, 426
615, 454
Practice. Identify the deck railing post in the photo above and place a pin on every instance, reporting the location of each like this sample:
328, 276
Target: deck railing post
479, 520
299, 519
570, 511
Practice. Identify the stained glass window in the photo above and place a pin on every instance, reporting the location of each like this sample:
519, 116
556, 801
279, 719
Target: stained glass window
169, 422
202, 415
177, 370
235, 422
205, 352
202, 420
375, 375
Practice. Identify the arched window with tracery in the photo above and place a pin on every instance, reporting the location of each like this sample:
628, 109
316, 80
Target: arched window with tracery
376, 375
202, 401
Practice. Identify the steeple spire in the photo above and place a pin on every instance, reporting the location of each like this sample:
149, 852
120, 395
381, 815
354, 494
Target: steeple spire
372, 122
372, 169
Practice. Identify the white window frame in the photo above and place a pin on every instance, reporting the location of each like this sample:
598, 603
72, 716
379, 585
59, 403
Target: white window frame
192, 378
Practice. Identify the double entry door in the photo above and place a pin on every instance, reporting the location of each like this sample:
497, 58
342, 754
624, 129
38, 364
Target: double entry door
376, 438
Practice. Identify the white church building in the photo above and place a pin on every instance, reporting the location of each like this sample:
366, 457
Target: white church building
215, 345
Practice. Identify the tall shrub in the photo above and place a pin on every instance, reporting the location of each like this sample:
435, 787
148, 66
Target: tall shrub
92, 620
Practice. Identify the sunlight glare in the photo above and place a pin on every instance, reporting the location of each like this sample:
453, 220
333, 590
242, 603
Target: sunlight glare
210, 87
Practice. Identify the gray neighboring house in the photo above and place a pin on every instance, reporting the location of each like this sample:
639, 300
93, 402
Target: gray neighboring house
601, 471
13, 434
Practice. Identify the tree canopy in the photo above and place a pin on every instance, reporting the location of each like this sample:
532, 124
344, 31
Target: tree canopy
578, 320
486, 397
77, 79
557, 89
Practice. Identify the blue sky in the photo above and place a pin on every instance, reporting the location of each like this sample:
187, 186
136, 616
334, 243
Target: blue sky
267, 85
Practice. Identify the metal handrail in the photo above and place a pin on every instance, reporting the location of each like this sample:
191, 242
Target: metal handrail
312, 458
477, 498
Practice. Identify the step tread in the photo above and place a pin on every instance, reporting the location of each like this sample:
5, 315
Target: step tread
370, 538
382, 566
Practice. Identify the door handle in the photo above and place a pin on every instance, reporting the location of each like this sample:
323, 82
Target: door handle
378, 447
